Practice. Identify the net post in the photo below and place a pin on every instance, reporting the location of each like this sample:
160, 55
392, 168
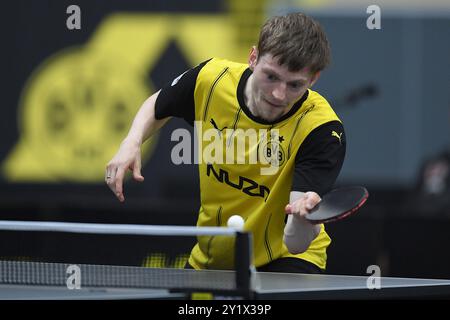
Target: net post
243, 264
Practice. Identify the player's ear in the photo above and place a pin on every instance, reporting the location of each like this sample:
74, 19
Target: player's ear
253, 58
314, 79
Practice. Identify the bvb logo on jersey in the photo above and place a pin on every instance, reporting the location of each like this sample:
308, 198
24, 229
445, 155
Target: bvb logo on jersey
273, 152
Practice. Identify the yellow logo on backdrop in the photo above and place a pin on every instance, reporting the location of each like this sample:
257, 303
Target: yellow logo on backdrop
78, 105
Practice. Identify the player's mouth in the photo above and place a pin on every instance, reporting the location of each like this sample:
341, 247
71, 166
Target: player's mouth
275, 105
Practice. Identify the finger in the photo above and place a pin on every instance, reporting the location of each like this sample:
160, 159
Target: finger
109, 176
107, 173
110, 183
288, 209
312, 199
111, 186
298, 208
137, 171
118, 184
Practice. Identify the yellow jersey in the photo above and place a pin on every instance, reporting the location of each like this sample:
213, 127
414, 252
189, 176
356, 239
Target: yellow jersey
256, 180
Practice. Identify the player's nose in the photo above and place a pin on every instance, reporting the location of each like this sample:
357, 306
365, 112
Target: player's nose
279, 92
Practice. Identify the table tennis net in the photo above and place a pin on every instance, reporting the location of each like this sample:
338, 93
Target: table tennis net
65, 241
60, 274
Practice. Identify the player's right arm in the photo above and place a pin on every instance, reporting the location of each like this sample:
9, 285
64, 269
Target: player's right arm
128, 157
175, 99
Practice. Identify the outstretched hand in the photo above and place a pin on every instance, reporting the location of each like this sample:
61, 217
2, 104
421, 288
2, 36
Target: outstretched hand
127, 158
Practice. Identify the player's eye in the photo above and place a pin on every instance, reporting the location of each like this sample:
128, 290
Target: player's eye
295, 85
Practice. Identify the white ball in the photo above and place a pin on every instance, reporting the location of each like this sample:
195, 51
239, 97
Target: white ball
236, 222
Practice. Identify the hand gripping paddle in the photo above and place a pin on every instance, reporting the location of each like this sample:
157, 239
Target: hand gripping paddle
338, 204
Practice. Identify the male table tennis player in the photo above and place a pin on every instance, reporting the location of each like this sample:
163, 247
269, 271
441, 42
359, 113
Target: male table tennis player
272, 92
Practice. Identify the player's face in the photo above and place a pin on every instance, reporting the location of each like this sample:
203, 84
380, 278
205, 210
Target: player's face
273, 89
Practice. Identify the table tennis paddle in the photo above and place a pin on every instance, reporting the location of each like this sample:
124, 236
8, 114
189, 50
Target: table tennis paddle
338, 204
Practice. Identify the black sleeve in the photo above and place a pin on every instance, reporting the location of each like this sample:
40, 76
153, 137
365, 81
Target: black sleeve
176, 99
319, 159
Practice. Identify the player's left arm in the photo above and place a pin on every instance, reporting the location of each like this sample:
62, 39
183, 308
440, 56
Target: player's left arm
318, 163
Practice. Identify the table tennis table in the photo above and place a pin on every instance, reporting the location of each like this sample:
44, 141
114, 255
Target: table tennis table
269, 286
51, 280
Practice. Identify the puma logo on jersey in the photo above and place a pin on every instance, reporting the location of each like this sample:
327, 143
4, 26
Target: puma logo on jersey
246, 185
337, 135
